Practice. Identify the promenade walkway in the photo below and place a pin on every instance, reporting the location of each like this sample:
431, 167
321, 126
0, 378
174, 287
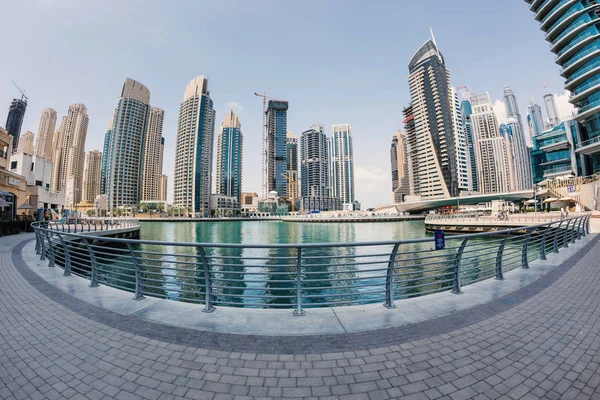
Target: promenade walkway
541, 341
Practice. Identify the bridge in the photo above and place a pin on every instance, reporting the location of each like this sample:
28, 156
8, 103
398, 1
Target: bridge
425, 205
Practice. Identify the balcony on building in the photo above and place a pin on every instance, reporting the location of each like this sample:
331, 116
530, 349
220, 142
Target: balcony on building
562, 171
590, 146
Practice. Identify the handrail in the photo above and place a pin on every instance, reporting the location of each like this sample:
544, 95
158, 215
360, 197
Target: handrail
296, 275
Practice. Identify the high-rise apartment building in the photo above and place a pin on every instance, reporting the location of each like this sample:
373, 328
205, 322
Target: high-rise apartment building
162, 188
193, 157
412, 157
14, 121
399, 162
518, 142
153, 155
105, 149
293, 189
45, 135
69, 156
91, 181
314, 163
230, 144
461, 147
275, 147
535, 120
342, 163
551, 110
573, 30
491, 149
125, 143
26, 143
433, 105
466, 111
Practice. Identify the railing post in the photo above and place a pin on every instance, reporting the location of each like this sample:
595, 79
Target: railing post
50, 250
499, 273
389, 279
299, 311
524, 260
456, 286
566, 235
208, 307
138, 275
557, 232
589, 229
36, 230
67, 256
543, 246
573, 234
42, 245
579, 230
94, 272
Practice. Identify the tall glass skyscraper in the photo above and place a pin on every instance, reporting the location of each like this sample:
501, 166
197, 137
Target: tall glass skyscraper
551, 110
314, 164
342, 163
291, 142
14, 121
466, 111
125, 147
194, 154
535, 120
399, 162
276, 157
518, 142
433, 102
229, 157
573, 30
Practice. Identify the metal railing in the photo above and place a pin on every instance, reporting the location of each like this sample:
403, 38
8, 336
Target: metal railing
299, 276
472, 217
89, 224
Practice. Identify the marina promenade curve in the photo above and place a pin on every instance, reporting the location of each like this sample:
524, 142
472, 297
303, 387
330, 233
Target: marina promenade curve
541, 341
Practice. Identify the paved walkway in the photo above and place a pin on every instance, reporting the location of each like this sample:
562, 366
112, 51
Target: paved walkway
540, 342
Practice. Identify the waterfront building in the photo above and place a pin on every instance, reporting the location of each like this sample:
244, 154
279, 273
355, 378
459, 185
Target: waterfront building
461, 148
125, 158
45, 135
275, 148
154, 145
225, 206
342, 163
399, 161
91, 181
37, 172
535, 120
412, 159
551, 110
194, 150
69, 153
162, 188
433, 105
572, 28
466, 111
293, 183
26, 143
230, 146
491, 150
14, 121
554, 153
105, 149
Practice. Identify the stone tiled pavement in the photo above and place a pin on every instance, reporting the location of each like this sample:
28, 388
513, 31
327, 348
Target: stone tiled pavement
544, 343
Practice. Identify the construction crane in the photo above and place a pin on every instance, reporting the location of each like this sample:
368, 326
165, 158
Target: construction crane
293, 194
265, 155
23, 96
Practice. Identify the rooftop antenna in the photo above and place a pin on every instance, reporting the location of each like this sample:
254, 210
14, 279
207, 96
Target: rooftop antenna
434, 42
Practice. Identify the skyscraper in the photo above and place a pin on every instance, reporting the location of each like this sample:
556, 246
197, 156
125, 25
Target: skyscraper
126, 140
535, 120
163, 188
466, 111
153, 155
551, 110
399, 161
521, 158
461, 148
193, 157
491, 149
26, 143
91, 181
70, 152
314, 163
45, 135
275, 147
291, 142
105, 149
14, 121
433, 103
574, 34
342, 163
412, 154
229, 157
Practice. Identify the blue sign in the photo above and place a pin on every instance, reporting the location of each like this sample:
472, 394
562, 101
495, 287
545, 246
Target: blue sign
440, 240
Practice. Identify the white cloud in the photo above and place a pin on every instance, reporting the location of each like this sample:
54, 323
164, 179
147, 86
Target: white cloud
565, 109
500, 110
373, 186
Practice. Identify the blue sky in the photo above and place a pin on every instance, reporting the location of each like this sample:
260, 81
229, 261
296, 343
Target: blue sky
336, 61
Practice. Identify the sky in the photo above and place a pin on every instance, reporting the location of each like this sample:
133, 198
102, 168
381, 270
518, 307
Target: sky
335, 61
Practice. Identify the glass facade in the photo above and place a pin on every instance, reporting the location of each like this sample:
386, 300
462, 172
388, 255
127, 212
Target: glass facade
276, 147
229, 158
14, 121
573, 30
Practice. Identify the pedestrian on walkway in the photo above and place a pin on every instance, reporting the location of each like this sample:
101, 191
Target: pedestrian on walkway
562, 213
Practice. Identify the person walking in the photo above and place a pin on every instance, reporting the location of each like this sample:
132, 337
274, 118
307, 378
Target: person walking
562, 212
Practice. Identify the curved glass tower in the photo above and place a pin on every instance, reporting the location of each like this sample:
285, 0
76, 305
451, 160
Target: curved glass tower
573, 29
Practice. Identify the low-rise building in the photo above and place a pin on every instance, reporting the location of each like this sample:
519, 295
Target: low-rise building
36, 171
224, 206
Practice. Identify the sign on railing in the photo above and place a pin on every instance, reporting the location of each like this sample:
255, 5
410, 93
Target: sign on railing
440, 240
